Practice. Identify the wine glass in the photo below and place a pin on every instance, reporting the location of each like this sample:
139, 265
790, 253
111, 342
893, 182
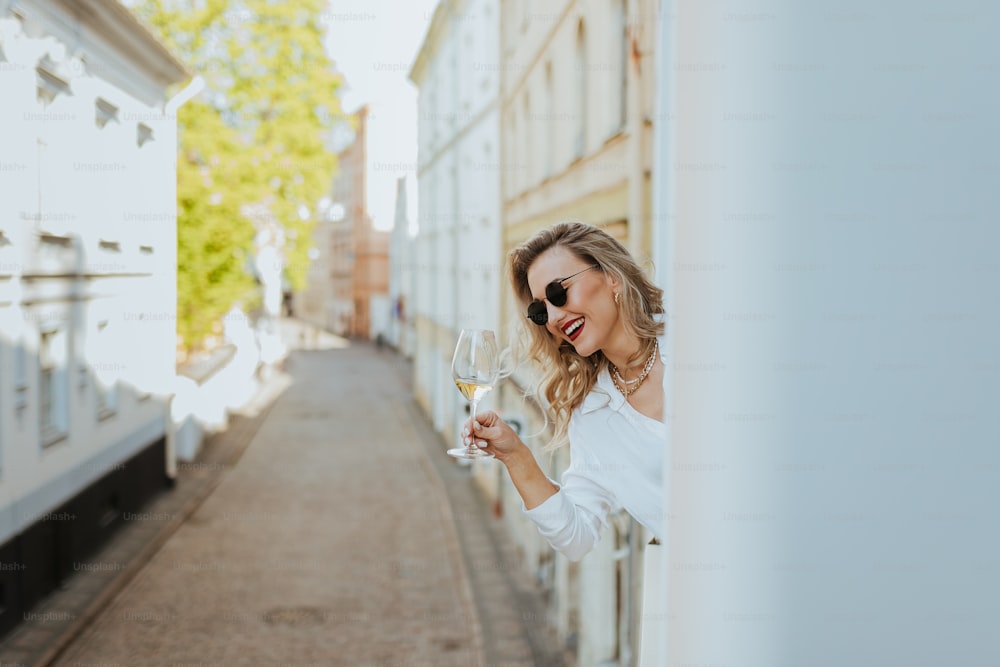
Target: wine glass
475, 367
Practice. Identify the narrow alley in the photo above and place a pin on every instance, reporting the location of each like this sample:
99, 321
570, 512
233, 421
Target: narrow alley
343, 535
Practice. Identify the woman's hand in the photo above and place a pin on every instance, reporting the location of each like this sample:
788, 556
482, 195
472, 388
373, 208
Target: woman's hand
498, 438
493, 435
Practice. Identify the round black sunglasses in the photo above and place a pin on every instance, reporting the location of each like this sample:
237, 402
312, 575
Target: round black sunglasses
555, 294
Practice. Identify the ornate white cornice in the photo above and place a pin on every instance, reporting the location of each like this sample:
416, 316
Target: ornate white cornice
116, 27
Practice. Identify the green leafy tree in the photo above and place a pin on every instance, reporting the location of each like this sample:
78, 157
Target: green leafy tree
256, 139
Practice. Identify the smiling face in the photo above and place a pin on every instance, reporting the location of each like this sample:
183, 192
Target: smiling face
589, 319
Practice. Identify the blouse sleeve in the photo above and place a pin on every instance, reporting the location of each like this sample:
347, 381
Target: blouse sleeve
572, 519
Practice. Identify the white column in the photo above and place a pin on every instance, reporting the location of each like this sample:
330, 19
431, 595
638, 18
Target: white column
832, 177
598, 633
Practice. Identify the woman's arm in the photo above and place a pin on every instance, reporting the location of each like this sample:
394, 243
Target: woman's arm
500, 440
570, 517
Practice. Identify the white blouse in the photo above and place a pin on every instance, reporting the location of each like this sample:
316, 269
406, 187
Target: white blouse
616, 462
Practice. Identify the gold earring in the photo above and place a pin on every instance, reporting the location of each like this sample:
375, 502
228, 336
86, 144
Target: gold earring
617, 296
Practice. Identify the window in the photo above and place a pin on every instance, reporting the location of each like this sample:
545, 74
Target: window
106, 369
550, 121
619, 84
529, 146
53, 386
580, 141
433, 120
20, 379
511, 171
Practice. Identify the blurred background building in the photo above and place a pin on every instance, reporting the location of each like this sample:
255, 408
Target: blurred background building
359, 253
87, 267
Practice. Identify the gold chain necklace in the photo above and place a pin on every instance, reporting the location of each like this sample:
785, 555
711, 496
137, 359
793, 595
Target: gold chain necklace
628, 387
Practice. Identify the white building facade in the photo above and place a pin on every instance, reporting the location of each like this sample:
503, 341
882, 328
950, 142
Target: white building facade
87, 277
577, 117
456, 265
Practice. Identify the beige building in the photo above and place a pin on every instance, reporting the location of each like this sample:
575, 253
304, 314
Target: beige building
577, 100
546, 110
569, 88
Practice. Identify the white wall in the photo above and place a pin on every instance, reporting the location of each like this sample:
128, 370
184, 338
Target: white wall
830, 202
116, 307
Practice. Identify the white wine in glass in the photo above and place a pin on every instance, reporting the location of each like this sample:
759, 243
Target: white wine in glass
475, 368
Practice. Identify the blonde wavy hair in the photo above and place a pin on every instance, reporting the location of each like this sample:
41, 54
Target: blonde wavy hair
568, 377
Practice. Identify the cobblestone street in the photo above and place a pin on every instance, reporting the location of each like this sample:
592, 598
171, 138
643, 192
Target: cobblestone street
332, 541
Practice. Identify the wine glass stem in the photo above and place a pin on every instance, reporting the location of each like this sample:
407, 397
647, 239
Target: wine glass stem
472, 444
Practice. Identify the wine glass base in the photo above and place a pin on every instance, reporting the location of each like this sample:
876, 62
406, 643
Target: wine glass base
467, 453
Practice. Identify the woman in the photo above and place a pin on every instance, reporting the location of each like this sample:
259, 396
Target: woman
594, 320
